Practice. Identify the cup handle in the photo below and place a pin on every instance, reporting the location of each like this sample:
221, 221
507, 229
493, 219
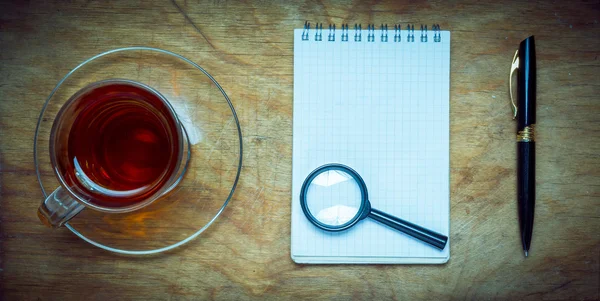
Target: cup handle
58, 208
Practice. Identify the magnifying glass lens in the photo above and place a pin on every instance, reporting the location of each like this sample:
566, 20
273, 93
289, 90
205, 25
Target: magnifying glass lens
334, 198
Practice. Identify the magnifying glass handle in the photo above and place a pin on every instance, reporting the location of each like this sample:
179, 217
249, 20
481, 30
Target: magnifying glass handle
425, 235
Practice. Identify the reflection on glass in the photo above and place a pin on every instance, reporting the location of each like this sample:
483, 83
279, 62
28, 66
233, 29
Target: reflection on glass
330, 178
337, 215
93, 186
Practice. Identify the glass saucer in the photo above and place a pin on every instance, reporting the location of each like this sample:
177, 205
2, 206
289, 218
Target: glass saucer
214, 136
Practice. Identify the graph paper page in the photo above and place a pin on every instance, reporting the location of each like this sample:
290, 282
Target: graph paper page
381, 108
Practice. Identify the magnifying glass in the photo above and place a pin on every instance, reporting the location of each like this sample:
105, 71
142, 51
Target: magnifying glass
334, 198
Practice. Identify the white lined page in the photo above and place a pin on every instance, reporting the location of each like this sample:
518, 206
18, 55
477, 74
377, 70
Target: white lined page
381, 108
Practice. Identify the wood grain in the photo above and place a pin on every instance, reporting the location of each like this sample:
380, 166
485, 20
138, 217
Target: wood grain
246, 253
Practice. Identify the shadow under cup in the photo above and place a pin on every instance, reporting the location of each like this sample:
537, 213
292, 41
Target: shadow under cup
115, 146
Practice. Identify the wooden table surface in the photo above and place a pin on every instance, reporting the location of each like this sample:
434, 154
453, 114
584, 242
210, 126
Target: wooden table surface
246, 254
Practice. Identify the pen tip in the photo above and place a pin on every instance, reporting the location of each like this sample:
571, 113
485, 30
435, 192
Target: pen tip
526, 253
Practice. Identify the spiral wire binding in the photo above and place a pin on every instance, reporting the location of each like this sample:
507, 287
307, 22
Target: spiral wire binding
437, 35
384, 33
357, 32
410, 32
331, 36
410, 37
397, 36
345, 32
371, 33
305, 31
319, 32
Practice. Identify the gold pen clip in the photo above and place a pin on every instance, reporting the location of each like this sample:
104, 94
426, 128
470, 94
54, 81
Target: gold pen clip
515, 66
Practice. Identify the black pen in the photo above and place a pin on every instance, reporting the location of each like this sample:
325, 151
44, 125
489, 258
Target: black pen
524, 112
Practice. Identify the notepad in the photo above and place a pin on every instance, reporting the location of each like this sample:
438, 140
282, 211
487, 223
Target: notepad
377, 101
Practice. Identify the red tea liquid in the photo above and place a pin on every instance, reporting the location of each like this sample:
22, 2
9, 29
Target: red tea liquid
123, 144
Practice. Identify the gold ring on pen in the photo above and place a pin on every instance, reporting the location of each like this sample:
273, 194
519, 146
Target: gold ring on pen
527, 134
